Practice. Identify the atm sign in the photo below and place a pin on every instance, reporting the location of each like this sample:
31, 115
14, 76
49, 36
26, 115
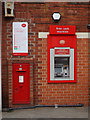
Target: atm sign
62, 29
62, 51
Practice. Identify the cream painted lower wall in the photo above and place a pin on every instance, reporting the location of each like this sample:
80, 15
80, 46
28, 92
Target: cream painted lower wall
79, 34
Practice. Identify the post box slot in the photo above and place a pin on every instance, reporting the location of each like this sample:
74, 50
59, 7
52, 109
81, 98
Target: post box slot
20, 71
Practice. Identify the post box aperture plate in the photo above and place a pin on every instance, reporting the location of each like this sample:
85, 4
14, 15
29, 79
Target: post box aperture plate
21, 79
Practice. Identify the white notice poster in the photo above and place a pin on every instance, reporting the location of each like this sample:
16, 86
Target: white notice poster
20, 38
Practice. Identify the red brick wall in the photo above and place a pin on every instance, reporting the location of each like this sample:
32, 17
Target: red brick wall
89, 68
70, 93
39, 18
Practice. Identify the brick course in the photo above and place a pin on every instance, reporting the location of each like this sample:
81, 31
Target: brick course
39, 18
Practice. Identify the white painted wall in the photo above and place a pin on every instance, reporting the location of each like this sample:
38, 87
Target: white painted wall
79, 34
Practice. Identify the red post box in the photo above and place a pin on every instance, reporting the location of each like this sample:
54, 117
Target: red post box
21, 83
62, 48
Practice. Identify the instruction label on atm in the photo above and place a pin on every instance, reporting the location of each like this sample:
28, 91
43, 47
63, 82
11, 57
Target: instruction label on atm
62, 51
21, 79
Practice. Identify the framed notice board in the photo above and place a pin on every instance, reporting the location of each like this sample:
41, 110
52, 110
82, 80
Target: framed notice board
20, 38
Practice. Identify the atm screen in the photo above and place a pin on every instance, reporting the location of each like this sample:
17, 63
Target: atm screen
61, 67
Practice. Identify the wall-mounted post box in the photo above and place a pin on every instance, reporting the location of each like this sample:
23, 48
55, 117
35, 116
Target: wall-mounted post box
62, 48
21, 85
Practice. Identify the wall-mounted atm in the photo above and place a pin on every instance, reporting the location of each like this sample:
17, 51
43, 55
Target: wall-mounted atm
62, 48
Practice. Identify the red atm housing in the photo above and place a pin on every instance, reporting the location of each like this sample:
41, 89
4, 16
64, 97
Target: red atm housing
21, 94
62, 50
